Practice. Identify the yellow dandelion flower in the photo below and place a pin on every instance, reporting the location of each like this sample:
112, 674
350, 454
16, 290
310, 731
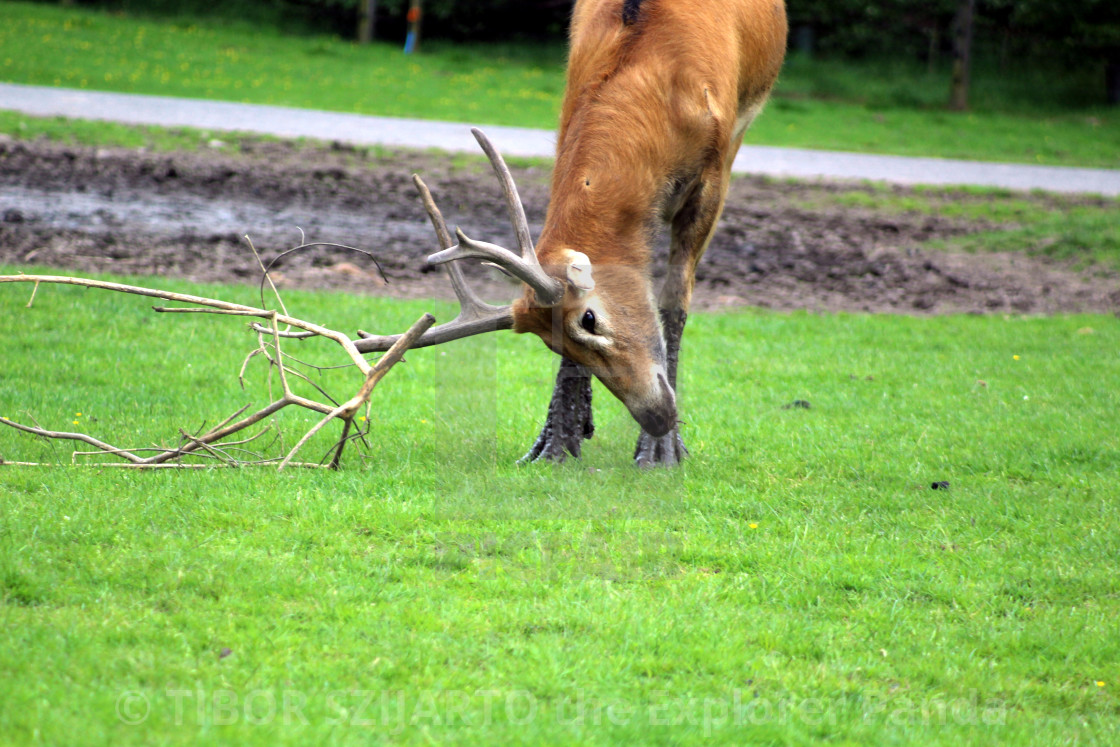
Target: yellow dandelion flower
77, 414
753, 526
1100, 683
1014, 357
75, 422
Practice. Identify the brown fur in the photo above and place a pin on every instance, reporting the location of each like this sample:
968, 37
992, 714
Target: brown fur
651, 120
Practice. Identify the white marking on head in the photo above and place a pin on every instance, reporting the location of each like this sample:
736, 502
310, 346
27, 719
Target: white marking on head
579, 271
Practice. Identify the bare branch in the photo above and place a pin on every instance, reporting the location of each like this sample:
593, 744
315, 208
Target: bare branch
62, 435
373, 376
475, 316
345, 342
131, 465
257, 327
206, 445
265, 276
329, 245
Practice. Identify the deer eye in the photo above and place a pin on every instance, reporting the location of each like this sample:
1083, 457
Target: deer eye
588, 321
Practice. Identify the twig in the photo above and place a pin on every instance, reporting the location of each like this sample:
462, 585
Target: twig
329, 245
375, 374
265, 275
63, 435
224, 306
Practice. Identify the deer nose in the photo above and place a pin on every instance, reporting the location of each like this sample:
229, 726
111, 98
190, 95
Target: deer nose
656, 422
659, 419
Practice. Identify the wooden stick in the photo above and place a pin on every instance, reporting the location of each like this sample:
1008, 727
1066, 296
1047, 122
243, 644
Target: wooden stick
387, 361
204, 446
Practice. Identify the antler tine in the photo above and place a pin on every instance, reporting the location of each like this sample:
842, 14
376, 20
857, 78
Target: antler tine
475, 315
513, 199
549, 290
470, 305
526, 267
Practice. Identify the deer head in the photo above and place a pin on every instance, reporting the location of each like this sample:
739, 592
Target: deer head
602, 317
607, 322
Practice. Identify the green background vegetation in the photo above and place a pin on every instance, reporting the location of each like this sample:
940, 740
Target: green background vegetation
1033, 114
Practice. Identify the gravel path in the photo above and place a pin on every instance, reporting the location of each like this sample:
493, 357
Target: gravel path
519, 141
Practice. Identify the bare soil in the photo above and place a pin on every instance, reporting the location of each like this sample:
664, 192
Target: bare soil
780, 245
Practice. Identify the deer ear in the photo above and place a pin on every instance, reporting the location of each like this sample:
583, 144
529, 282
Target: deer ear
579, 271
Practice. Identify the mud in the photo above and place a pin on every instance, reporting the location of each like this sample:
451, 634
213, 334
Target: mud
780, 245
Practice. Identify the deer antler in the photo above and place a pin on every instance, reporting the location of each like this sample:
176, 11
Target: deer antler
526, 268
475, 315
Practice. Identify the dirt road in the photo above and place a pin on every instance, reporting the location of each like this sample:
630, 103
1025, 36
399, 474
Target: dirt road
780, 245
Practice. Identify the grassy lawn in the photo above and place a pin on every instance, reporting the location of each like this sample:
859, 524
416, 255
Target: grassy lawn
797, 580
873, 107
1083, 231
109, 134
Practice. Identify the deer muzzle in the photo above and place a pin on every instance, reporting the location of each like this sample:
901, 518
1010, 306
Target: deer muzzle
657, 414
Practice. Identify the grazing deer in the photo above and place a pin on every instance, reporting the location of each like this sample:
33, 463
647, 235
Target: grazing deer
659, 94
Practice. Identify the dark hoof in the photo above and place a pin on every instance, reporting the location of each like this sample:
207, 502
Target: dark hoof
569, 421
666, 451
550, 449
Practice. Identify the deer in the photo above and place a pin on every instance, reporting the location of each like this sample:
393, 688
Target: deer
659, 94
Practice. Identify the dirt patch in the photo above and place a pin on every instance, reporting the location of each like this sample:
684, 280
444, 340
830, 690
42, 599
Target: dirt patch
186, 215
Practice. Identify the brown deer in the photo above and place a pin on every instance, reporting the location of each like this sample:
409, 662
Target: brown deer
659, 94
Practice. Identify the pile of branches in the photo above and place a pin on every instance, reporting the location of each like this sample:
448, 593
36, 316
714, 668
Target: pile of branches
213, 445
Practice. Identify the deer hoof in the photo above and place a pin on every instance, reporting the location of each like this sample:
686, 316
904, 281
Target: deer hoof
558, 440
666, 451
548, 449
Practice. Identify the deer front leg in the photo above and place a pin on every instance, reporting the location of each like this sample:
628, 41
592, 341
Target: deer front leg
569, 417
668, 450
691, 230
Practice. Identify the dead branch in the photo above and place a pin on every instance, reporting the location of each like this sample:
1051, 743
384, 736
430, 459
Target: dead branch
211, 445
348, 409
213, 305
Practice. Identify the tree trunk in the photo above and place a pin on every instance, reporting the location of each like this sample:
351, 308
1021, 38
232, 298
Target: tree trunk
367, 21
934, 48
1112, 82
962, 55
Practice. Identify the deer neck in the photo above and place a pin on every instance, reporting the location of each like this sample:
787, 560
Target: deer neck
604, 200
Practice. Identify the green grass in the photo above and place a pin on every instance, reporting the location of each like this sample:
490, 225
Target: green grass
1028, 115
1083, 231
1032, 116
795, 581
109, 134
1083, 235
